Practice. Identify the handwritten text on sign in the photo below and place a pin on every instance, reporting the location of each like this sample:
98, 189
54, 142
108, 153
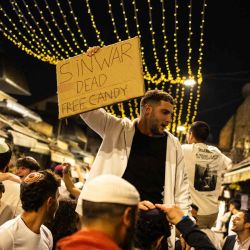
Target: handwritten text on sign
112, 75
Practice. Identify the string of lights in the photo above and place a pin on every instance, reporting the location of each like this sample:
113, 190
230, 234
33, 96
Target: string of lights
25, 45
78, 49
27, 29
45, 38
79, 30
56, 25
165, 44
55, 41
125, 19
94, 24
199, 73
151, 28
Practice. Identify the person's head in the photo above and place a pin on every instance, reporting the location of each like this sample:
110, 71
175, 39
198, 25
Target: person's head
110, 203
198, 132
66, 221
156, 110
194, 211
39, 191
241, 222
25, 166
2, 189
5, 155
152, 230
234, 205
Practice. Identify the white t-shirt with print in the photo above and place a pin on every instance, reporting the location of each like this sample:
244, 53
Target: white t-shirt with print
15, 235
204, 166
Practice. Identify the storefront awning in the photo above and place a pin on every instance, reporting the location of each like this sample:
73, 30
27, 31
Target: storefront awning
238, 175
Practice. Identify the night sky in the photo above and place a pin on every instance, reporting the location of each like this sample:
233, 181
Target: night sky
226, 63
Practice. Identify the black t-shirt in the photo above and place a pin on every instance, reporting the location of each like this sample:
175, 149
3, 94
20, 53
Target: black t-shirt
146, 166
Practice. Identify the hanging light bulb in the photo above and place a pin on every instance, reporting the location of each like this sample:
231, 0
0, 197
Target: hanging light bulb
189, 82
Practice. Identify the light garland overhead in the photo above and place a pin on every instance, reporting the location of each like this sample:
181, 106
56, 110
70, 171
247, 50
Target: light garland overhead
52, 31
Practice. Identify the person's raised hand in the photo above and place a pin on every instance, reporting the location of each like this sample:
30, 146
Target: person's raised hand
174, 213
146, 205
92, 50
66, 167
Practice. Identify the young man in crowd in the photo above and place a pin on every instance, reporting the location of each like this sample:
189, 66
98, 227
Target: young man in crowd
204, 165
39, 198
241, 226
142, 151
10, 205
25, 166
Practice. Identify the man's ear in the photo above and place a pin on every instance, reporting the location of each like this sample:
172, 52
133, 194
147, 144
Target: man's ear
49, 201
126, 218
147, 109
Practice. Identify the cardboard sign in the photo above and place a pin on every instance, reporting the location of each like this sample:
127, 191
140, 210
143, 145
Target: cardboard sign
112, 75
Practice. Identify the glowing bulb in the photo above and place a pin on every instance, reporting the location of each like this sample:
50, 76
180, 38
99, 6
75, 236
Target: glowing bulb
190, 82
181, 128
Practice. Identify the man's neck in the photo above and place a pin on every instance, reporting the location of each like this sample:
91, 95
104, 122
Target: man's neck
33, 220
143, 127
243, 235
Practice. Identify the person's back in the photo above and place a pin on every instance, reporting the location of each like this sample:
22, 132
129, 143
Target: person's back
205, 164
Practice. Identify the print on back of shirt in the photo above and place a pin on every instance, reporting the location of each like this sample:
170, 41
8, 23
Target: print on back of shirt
206, 171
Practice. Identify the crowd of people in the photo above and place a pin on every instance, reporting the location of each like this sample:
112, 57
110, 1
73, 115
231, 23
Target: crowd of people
145, 190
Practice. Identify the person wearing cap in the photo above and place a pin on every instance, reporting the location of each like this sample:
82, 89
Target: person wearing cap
39, 197
142, 151
10, 205
26, 165
109, 209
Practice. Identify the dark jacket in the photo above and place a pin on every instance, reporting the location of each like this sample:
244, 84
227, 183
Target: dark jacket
194, 236
229, 243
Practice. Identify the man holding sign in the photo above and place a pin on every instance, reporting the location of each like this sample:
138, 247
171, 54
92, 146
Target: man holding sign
142, 151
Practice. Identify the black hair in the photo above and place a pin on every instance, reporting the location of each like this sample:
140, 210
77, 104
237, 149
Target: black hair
5, 158
34, 193
200, 131
66, 220
28, 162
152, 225
155, 96
236, 203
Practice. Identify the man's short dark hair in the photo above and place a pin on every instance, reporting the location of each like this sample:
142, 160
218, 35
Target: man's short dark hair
5, 159
200, 131
35, 191
155, 96
236, 203
28, 162
102, 210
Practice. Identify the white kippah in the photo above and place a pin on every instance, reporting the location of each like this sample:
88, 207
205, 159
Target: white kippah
110, 189
4, 147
